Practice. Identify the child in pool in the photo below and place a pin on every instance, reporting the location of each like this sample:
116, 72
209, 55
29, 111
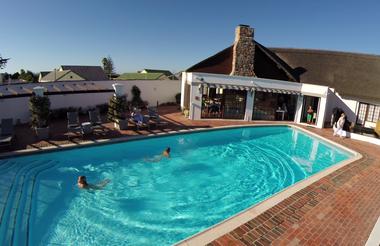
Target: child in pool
165, 153
82, 184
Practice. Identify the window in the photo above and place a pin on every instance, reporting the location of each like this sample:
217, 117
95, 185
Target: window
368, 112
361, 113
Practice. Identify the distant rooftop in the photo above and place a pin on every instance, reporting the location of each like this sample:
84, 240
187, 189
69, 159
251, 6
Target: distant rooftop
90, 73
141, 76
166, 72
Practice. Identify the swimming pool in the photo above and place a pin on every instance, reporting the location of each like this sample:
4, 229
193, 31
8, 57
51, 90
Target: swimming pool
210, 176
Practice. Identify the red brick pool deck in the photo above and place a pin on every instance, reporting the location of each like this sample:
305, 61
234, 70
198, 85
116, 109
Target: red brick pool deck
339, 209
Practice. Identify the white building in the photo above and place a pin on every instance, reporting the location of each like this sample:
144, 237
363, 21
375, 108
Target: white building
248, 81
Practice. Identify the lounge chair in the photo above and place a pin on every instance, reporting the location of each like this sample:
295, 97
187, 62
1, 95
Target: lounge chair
155, 117
6, 133
377, 128
139, 120
96, 121
73, 124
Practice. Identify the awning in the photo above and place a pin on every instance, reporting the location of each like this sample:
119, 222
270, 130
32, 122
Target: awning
251, 88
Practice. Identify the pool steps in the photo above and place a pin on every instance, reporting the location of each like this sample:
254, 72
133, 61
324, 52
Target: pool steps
15, 207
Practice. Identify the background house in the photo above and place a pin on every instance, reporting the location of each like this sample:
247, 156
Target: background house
75, 73
353, 79
148, 74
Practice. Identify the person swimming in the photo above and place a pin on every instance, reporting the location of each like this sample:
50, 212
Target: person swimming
82, 184
157, 158
166, 152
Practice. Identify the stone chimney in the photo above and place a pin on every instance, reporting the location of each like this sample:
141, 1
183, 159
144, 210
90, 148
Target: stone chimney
243, 52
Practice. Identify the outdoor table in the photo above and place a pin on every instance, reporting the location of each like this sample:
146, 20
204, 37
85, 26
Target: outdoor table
86, 128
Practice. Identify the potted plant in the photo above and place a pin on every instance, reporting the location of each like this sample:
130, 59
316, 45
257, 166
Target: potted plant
117, 108
40, 111
186, 112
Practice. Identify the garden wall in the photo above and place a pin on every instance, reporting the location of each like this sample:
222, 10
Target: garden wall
152, 91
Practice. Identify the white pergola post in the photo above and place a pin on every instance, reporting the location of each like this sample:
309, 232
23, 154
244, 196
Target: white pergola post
249, 105
195, 102
119, 89
297, 117
321, 112
183, 86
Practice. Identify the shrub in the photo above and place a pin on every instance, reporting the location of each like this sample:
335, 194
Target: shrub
116, 108
136, 98
40, 111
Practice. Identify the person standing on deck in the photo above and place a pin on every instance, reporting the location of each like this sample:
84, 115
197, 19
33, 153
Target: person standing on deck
310, 113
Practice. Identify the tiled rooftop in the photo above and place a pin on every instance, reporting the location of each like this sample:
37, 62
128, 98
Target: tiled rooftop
339, 209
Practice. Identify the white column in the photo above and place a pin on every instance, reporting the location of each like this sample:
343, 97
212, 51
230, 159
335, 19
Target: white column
297, 117
183, 85
119, 89
321, 112
249, 106
195, 102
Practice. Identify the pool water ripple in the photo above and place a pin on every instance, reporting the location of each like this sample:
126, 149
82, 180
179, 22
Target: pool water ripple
209, 177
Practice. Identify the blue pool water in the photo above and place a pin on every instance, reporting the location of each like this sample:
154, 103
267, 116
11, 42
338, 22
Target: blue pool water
210, 176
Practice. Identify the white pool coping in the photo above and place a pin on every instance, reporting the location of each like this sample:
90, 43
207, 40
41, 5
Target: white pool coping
374, 237
210, 234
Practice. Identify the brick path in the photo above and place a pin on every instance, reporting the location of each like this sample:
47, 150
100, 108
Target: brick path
340, 209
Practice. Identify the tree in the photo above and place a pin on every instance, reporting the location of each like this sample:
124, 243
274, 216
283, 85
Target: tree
27, 76
108, 66
16, 75
3, 62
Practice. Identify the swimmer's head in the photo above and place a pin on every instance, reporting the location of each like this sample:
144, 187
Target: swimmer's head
82, 180
168, 149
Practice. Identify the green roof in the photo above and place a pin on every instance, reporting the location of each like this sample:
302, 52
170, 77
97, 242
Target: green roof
166, 72
140, 76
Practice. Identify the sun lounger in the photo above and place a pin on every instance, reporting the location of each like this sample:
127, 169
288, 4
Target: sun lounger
6, 132
377, 128
95, 119
155, 117
73, 124
139, 120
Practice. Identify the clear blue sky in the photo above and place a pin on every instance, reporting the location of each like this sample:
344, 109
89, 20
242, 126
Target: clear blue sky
40, 35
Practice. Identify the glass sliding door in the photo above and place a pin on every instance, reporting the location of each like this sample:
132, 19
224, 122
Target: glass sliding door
218, 103
234, 104
274, 106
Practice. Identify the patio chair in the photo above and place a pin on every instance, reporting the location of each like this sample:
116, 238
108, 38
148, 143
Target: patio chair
155, 117
96, 121
6, 133
73, 124
139, 120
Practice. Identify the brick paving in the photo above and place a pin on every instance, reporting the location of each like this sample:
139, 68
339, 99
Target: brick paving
339, 209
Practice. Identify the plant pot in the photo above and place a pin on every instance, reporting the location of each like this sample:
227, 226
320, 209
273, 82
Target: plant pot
42, 132
121, 124
186, 112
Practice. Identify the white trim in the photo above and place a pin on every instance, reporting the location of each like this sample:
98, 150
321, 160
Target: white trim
374, 237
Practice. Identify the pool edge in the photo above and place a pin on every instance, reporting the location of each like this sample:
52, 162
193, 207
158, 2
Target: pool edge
217, 230
129, 138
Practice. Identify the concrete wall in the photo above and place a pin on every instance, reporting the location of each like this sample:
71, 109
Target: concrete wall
152, 91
